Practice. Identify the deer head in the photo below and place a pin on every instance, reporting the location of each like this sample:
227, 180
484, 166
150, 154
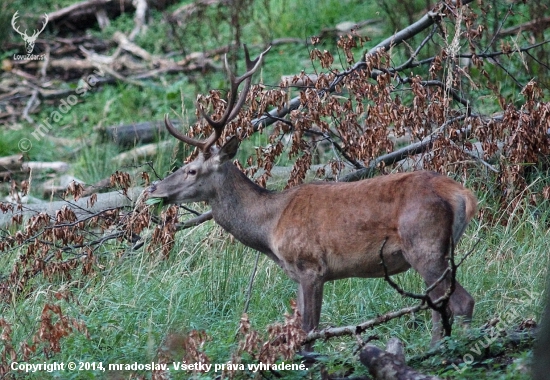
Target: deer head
194, 181
29, 40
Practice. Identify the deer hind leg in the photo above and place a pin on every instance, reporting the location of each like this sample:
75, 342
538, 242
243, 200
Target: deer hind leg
426, 237
461, 303
310, 300
426, 252
460, 307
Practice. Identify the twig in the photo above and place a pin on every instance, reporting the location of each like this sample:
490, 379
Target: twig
196, 213
387, 278
415, 54
400, 154
250, 283
102, 240
358, 329
429, 61
337, 146
30, 104
195, 221
479, 159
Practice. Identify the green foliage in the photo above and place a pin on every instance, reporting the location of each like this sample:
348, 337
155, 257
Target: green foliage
6, 13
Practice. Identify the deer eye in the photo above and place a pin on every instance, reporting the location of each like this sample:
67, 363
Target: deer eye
192, 172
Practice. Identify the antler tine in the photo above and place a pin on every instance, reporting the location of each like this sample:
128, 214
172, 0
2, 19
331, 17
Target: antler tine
251, 67
232, 109
233, 105
46, 19
15, 27
186, 139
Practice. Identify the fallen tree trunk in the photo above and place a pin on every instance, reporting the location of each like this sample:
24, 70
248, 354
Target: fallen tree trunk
14, 167
82, 207
88, 13
11, 163
384, 365
137, 133
141, 153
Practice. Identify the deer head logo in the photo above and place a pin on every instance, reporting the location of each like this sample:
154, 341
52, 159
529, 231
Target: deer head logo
29, 40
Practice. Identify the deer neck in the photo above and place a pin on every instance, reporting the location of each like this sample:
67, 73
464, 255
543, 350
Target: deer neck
245, 210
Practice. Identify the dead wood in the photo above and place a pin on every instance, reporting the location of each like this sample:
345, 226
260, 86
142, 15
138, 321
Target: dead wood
395, 347
194, 221
538, 24
126, 44
347, 27
141, 153
139, 18
97, 187
137, 133
58, 186
11, 163
64, 64
188, 10
82, 207
384, 365
415, 148
304, 81
358, 329
88, 13
15, 165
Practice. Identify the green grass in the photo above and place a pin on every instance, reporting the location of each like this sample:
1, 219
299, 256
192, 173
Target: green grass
137, 299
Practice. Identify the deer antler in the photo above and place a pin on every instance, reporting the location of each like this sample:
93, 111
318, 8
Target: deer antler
24, 34
234, 104
37, 32
15, 27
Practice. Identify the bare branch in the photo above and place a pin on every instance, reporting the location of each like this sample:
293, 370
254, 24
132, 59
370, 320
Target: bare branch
358, 329
402, 153
195, 221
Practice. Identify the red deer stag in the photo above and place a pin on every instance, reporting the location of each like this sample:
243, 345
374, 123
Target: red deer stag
320, 232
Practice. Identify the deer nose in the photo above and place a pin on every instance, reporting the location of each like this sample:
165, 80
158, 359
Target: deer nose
153, 187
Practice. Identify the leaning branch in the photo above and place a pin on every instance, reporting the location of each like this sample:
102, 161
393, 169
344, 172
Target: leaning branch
83, 208
195, 221
412, 149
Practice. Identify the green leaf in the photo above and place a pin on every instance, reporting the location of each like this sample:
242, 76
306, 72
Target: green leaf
153, 201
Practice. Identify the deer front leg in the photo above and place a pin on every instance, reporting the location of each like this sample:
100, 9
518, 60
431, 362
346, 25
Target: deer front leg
310, 300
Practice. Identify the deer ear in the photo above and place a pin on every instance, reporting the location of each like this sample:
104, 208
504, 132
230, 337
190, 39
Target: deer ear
229, 149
